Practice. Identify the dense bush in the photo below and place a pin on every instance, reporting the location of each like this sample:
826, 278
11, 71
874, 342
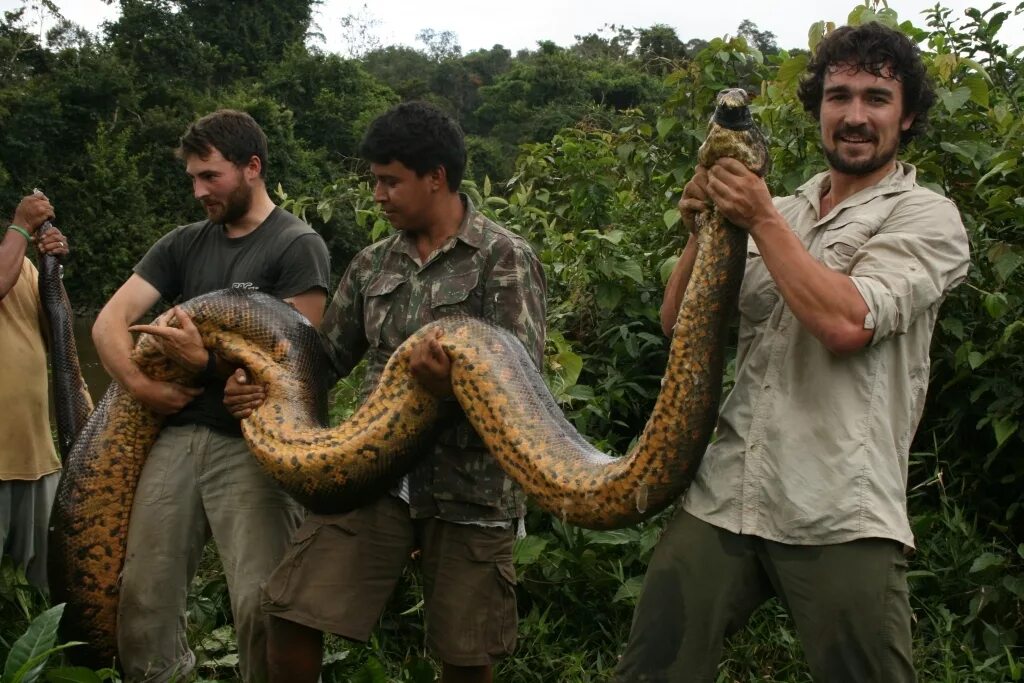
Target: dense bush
596, 199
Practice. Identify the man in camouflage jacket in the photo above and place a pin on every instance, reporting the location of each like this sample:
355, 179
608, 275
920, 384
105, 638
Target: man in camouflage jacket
457, 507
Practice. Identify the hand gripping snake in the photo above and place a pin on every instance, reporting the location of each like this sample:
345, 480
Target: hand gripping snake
340, 468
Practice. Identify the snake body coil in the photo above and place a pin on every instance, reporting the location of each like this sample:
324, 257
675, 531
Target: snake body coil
335, 469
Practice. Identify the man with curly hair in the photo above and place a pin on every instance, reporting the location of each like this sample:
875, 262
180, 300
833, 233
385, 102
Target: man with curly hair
802, 495
456, 510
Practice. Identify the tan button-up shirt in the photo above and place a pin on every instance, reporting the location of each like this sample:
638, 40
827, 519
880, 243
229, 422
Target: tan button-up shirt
811, 448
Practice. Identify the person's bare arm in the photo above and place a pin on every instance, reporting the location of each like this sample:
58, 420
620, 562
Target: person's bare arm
826, 302
114, 343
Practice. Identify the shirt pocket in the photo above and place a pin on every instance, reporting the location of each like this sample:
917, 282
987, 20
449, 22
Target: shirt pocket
758, 293
455, 294
843, 239
380, 299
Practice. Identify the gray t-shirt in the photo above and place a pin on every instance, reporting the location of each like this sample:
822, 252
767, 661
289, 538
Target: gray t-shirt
283, 257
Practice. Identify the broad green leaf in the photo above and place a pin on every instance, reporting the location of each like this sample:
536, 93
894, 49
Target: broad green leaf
670, 217
791, 69
608, 295
1004, 428
979, 89
953, 326
37, 641
665, 270
487, 186
996, 305
976, 359
953, 100
1014, 584
945, 64
986, 561
570, 364
528, 550
977, 67
629, 591
371, 672
665, 125
630, 269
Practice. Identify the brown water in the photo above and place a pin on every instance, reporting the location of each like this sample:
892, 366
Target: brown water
95, 376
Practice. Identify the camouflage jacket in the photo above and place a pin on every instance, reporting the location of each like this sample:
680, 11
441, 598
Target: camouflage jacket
386, 294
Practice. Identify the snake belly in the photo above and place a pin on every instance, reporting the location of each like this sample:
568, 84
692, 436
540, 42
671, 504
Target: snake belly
340, 468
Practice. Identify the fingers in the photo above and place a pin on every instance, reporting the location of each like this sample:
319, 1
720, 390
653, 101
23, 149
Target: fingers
52, 242
162, 331
240, 397
33, 211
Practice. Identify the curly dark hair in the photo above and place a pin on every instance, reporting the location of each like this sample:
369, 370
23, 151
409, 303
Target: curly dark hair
878, 50
420, 136
233, 133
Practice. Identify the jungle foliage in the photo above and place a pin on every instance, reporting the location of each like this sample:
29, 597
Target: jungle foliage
583, 150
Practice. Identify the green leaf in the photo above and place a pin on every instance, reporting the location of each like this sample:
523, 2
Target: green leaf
671, 217
953, 100
629, 591
996, 305
528, 550
36, 643
76, 674
791, 69
608, 296
979, 89
665, 270
976, 359
953, 326
630, 269
986, 561
487, 186
371, 672
1004, 428
665, 125
570, 366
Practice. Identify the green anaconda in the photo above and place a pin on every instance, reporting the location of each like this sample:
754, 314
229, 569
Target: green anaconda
71, 399
335, 469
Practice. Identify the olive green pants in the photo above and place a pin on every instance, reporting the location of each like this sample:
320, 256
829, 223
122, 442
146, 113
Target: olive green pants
849, 604
196, 483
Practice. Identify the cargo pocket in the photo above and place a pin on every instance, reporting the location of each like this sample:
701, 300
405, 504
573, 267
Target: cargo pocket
453, 294
281, 587
377, 309
491, 548
841, 242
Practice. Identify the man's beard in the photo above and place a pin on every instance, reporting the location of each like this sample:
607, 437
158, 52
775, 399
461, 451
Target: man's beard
235, 206
860, 167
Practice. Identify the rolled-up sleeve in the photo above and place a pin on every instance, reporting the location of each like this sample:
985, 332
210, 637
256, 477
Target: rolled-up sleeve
920, 253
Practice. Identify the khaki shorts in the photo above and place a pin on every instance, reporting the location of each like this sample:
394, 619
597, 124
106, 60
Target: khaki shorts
341, 570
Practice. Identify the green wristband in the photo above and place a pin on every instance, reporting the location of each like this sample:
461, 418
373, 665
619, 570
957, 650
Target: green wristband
20, 229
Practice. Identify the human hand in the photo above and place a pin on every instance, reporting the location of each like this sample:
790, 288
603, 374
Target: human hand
695, 198
241, 397
430, 365
32, 211
52, 241
740, 195
163, 398
182, 344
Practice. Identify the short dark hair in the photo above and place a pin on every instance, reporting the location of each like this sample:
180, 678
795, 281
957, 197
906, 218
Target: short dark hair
233, 133
878, 50
420, 136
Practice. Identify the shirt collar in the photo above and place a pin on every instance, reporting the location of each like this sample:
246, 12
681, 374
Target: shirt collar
900, 179
471, 231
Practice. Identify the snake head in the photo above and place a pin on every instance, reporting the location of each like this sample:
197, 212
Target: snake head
732, 133
732, 110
